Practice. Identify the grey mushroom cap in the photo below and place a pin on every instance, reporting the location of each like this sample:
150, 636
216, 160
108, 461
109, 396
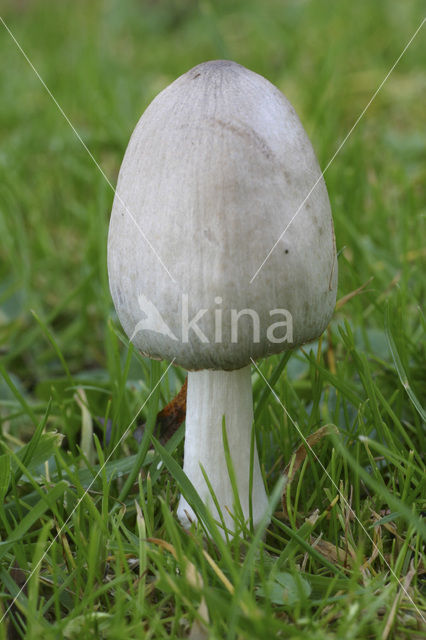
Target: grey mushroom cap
215, 170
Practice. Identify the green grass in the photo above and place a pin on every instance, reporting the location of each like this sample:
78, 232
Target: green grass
100, 544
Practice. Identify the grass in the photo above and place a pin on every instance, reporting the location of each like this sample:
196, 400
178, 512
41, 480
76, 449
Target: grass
99, 543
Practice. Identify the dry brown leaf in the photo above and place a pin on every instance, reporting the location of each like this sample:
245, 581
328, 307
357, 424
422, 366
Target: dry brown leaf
171, 417
334, 554
340, 303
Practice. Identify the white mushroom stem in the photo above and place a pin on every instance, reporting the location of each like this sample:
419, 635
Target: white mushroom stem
210, 396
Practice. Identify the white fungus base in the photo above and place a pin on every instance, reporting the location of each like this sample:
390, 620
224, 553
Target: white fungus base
210, 396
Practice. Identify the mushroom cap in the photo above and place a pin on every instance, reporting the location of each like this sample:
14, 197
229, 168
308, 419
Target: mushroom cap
215, 170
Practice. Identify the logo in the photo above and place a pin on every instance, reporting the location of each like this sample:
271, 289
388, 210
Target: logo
277, 332
153, 320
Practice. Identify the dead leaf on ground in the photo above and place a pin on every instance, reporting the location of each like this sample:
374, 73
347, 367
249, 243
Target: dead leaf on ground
171, 417
336, 555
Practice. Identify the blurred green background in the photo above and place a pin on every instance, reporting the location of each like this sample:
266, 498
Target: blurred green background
105, 60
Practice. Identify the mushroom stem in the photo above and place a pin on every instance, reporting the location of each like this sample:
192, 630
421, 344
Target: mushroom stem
212, 395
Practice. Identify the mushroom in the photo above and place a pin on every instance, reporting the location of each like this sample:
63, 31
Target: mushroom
218, 172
